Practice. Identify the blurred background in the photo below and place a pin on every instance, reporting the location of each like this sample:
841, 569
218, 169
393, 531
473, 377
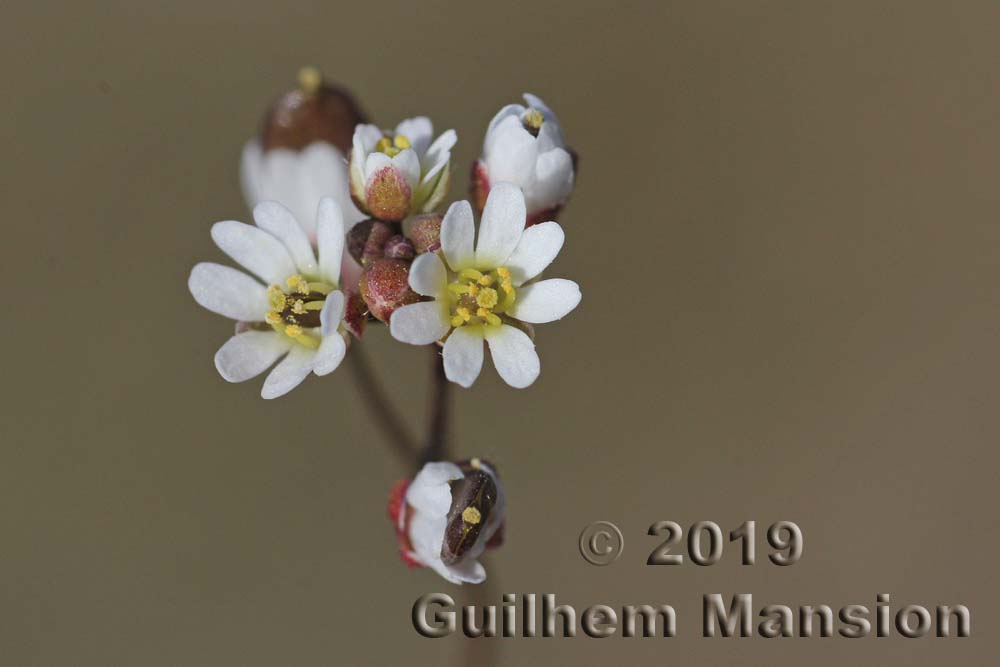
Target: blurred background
785, 228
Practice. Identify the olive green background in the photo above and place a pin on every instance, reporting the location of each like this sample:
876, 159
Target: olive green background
786, 233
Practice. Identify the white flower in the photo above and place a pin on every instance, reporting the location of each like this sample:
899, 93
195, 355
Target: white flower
394, 175
525, 146
480, 293
298, 180
429, 501
298, 316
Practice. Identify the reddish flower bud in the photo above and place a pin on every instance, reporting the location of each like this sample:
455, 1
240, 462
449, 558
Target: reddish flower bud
399, 247
425, 232
387, 195
385, 287
355, 314
366, 240
479, 186
315, 111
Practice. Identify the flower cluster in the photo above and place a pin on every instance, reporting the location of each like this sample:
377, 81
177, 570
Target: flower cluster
349, 230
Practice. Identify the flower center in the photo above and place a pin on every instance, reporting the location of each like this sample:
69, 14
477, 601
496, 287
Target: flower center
532, 120
480, 298
392, 146
295, 311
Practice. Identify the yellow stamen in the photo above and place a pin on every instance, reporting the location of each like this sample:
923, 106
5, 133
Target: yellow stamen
486, 280
469, 274
272, 318
293, 330
458, 288
401, 142
298, 307
276, 297
310, 80
315, 305
487, 297
503, 272
533, 119
473, 289
464, 313
383, 144
471, 515
457, 321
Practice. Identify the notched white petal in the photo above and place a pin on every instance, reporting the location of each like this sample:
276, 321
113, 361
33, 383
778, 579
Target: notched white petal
428, 277
278, 221
228, 292
419, 323
501, 226
546, 301
288, 374
259, 252
247, 355
463, 355
539, 245
458, 231
513, 355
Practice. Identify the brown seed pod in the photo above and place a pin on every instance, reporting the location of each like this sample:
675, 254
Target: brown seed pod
472, 499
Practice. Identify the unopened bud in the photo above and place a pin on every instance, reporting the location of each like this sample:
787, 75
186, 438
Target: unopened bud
399, 247
425, 232
366, 240
314, 111
472, 501
385, 287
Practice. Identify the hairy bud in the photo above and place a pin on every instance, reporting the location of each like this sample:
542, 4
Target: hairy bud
385, 287
425, 232
366, 240
399, 247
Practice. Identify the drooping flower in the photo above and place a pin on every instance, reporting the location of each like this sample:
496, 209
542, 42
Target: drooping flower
484, 293
447, 516
296, 311
525, 146
301, 153
400, 173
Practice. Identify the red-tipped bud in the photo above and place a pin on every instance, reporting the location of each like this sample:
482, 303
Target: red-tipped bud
385, 287
315, 111
399, 247
366, 240
425, 232
387, 195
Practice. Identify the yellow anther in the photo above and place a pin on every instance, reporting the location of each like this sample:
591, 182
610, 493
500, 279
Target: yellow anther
533, 119
486, 279
273, 317
298, 307
383, 144
457, 321
473, 289
458, 288
487, 297
464, 313
401, 142
476, 463
482, 312
503, 272
471, 515
469, 274
315, 305
492, 319
310, 80
322, 288
276, 297
299, 283
293, 330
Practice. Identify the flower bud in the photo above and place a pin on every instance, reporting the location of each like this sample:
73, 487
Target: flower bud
314, 111
425, 232
447, 516
399, 247
385, 287
366, 240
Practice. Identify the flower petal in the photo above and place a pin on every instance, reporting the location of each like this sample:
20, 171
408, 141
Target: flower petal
513, 355
228, 292
251, 166
287, 375
510, 110
501, 226
438, 155
430, 492
408, 164
428, 277
329, 355
330, 239
511, 155
419, 131
457, 234
463, 355
546, 301
277, 220
258, 251
538, 246
419, 323
332, 313
553, 181
249, 354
